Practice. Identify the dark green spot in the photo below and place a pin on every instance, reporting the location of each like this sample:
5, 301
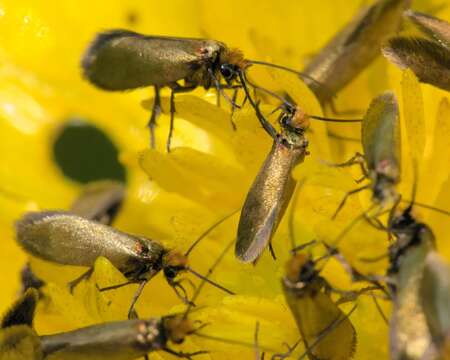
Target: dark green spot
85, 153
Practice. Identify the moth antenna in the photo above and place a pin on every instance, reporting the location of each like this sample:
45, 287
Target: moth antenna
229, 341
200, 276
325, 331
347, 229
352, 224
425, 206
276, 66
412, 202
207, 231
302, 246
288, 69
246, 80
335, 120
267, 126
290, 105
118, 286
278, 108
206, 277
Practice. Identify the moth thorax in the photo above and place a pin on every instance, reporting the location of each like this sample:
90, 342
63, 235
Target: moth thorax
233, 56
175, 259
177, 328
388, 169
300, 269
409, 231
173, 262
384, 189
300, 119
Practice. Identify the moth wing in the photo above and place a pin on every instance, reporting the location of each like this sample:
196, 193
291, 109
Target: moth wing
120, 60
380, 132
100, 201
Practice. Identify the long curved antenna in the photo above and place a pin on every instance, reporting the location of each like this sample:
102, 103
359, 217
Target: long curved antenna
325, 331
200, 276
321, 118
267, 126
302, 246
352, 224
229, 341
290, 105
346, 230
276, 66
425, 206
285, 68
208, 230
118, 286
245, 80
206, 277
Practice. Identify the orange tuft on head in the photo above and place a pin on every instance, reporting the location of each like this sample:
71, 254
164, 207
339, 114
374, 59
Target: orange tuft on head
178, 328
175, 258
233, 56
300, 120
294, 266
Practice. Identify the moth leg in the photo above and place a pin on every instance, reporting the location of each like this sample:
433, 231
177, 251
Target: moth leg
180, 291
376, 223
380, 310
272, 252
183, 355
348, 295
232, 101
289, 352
132, 314
361, 179
346, 196
85, 276
357, 159
156, 111
233, 107
218, 97
176, 89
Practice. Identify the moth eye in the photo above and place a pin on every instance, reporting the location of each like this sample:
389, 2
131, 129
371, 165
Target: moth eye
227, 71
285, 120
